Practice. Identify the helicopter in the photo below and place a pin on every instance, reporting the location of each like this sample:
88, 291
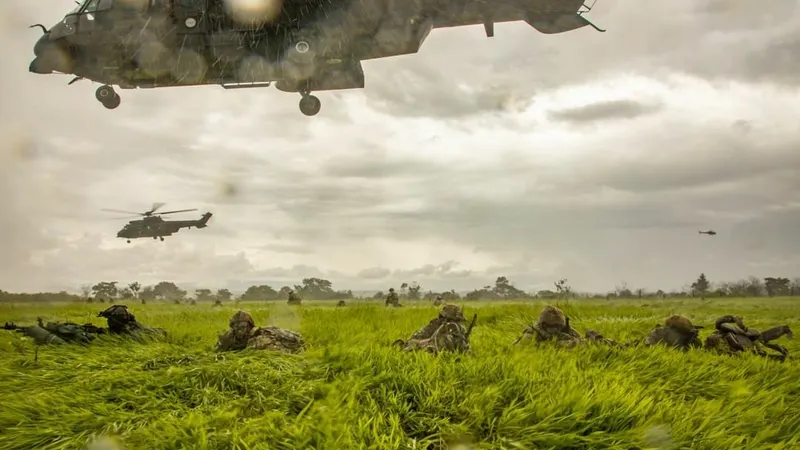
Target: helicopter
152, 225
709, 232
299, 45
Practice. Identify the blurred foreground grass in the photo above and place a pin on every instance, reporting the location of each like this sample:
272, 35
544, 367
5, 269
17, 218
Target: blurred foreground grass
351, 390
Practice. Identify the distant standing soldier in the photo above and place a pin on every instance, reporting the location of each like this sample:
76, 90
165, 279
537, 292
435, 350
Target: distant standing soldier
294, 299
444, 333
392, 299
678, 331
438, 301
243, 333
341, 303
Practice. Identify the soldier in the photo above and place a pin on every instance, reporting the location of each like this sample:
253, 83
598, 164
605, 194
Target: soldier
58, 332
341, 303
438, 301
553, 325
444, 333
392, 299
243, 333
122, 321
677, 332
294, 299
731, 336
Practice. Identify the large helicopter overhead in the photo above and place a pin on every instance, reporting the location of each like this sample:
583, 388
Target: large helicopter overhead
300, 45
153, 226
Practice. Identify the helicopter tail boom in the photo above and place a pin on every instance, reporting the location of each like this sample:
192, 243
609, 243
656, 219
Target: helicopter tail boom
204, 220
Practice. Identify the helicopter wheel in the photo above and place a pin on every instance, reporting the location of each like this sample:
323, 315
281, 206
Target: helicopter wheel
162, 238
310, 105
129, 241
113, 102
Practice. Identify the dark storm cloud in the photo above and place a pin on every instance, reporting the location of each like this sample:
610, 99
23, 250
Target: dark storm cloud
609, 110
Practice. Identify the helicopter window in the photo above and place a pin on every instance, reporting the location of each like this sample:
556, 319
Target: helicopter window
92, 6
105, 5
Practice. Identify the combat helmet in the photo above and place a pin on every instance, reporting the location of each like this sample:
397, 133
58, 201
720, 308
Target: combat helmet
391, 289
452, 313
682, 324
552, 318
242, 319
118, 318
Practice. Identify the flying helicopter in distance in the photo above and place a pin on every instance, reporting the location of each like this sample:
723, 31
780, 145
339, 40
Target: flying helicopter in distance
153, 226
709, 232
299, 45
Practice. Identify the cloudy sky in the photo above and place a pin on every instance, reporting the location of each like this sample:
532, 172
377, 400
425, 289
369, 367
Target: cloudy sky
591, 156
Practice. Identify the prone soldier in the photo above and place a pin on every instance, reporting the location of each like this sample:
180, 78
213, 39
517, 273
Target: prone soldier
444, 333
553, 325
121, 321
58, 332
731, 336
678, 331
243, 333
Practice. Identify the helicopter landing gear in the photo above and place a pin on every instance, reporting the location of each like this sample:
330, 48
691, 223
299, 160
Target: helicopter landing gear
129, 241
162, 238
309, 104
107, 97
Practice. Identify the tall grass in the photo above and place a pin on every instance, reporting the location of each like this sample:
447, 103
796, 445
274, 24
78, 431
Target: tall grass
351, 390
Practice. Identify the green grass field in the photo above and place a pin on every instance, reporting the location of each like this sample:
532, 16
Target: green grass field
351, 390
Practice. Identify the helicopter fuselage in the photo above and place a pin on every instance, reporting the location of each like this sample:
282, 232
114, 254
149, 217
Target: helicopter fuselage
156, 227
303, 46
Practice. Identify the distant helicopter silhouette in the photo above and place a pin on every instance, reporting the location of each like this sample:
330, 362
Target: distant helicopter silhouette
709, 232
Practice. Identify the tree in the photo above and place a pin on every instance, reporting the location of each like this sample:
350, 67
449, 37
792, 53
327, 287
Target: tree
86, 290
168, 290
623, 291
378, 295
284, 293
261, 292
147, 294
203, 295
413, 291
795, 288
755, 288
105, 290
126, 293
701, 286
135, 287
224, 295
776, 286
564, 290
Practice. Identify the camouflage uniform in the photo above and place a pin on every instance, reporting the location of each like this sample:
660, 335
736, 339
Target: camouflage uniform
294, 299
444, 333
553, 325
59, 332
392, 299
244, 334
731, 336
438, 301
677, 332
122, 321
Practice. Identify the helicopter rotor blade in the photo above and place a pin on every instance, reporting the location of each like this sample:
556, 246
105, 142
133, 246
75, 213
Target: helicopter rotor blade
176, 211
124, 218
122, 212
156, 205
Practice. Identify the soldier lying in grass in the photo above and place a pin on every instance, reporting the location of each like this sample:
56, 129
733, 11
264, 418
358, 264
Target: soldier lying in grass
120, 321
243, 333
731, 336
553, 326
678, 332
444, 333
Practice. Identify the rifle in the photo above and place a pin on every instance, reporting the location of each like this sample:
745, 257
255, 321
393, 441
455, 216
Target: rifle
471, 324
11, 326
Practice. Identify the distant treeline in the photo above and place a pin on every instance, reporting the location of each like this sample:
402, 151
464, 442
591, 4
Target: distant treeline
321, 289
